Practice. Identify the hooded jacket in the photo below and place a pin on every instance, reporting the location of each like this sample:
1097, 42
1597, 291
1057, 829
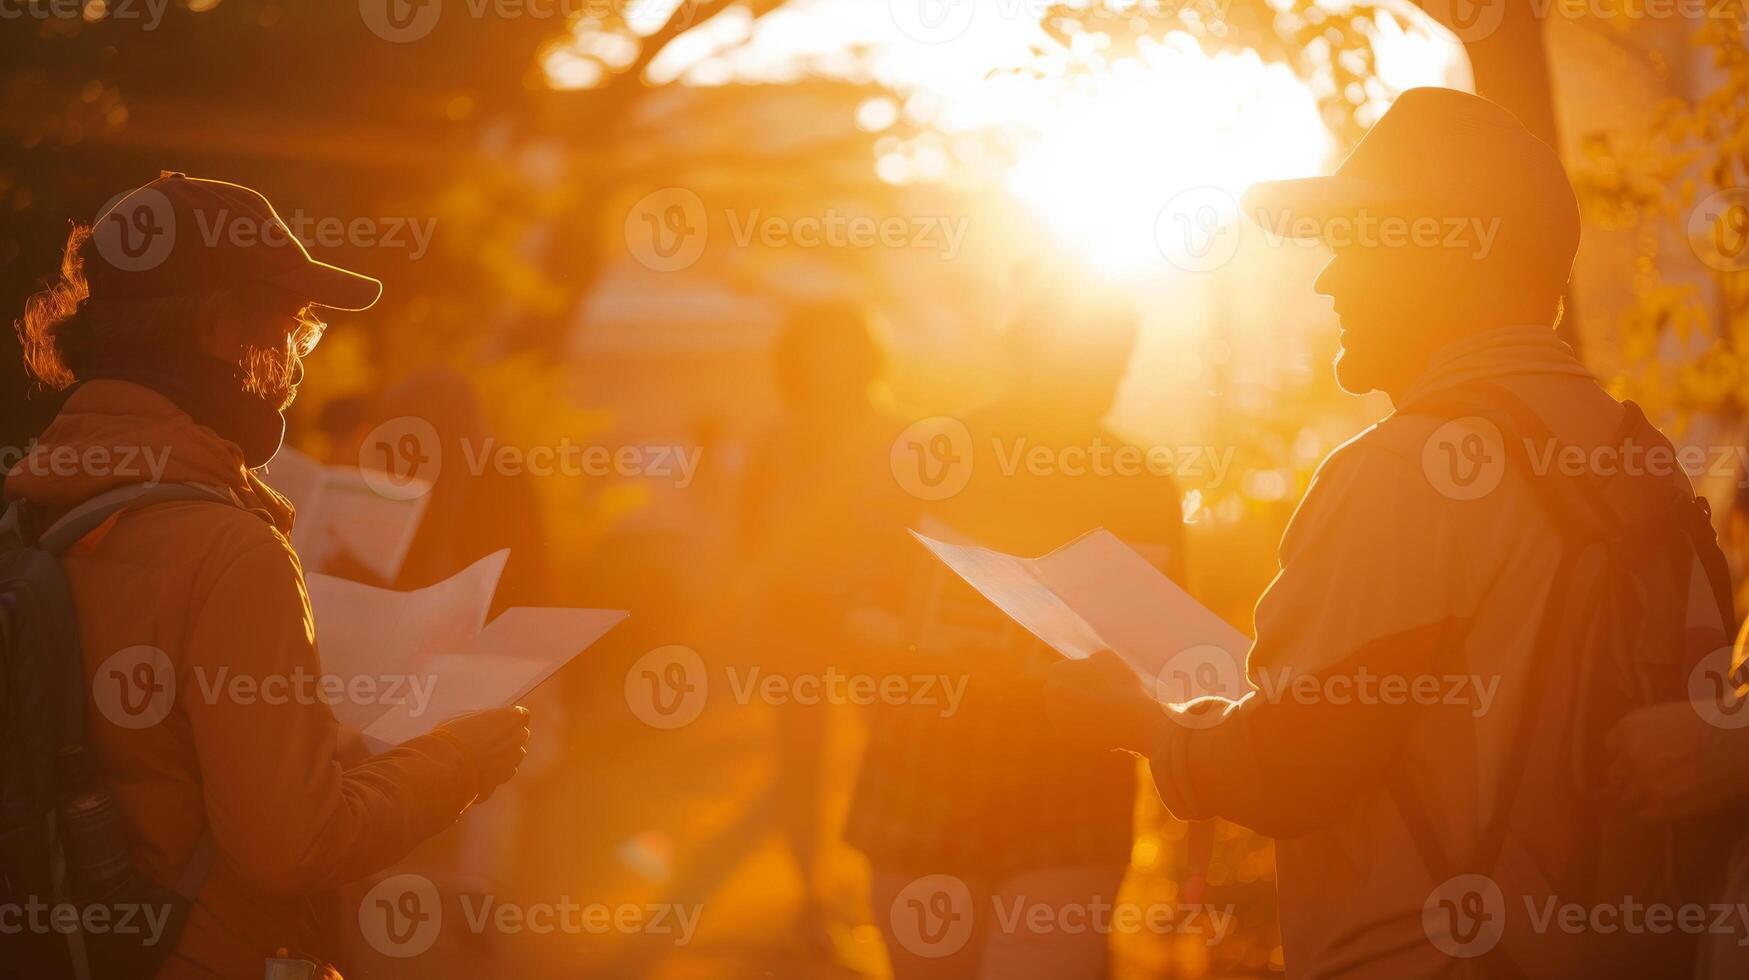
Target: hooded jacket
203, 710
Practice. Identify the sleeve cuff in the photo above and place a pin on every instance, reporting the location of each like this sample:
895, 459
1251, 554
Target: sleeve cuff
456, 772
1175, 742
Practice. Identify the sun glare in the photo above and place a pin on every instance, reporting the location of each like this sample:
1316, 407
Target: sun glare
1135, 150
1114, 162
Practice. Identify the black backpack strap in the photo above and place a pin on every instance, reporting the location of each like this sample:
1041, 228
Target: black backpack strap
198, 866
88, 516
1581, 513
71, 528
1693, 516
1579, 509
1576, 505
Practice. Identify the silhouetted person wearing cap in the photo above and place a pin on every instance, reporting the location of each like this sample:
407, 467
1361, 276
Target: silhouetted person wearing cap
985, 792
1505, 614
178, 324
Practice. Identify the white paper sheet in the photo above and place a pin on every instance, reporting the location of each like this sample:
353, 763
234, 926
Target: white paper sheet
430, 652
338, 509
511, 657
1097, 593
362, 628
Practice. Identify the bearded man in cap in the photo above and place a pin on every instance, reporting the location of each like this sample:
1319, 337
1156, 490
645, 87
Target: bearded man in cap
1447, 641
178, 327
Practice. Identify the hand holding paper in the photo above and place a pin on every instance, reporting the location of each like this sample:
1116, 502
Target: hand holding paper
1101, 702
1096, 593
495, 743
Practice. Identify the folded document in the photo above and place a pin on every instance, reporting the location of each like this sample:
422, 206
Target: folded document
1096, 593
430, 654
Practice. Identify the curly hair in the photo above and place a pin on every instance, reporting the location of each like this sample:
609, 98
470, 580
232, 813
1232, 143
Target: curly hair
64, 333
53, 343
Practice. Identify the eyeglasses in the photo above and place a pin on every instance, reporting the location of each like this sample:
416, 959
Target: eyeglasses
308, 332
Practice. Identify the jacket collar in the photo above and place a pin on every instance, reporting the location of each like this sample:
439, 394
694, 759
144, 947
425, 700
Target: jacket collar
1493, 354
115, 433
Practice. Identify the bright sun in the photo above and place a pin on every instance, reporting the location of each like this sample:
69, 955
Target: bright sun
1129, 155
1117, 162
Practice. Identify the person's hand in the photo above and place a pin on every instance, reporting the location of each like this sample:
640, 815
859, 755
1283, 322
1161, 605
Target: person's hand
1100, 701
495, 743
1662, 763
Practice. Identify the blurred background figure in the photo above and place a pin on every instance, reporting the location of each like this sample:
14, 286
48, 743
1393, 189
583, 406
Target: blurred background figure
819, 512
468, 514
989, 794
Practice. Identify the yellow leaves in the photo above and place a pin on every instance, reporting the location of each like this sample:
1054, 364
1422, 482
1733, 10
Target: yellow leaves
1681, 345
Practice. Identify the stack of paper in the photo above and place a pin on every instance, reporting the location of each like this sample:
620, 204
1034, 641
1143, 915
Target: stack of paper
338, 509
434, 647
1096, 593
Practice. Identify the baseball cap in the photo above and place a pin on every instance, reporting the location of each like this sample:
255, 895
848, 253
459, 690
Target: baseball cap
180, 236
1445, 154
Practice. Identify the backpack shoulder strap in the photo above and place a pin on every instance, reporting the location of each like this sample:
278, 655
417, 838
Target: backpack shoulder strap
88, 516
81, 521
198, 867
1575, 504
1582, 514
1693, 516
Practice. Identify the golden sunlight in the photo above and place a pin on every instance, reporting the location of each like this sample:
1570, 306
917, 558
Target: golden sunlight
1128, 157
1128, 165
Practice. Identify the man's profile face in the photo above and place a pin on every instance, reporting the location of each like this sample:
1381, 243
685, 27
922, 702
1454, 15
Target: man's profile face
1388, 302
266, 333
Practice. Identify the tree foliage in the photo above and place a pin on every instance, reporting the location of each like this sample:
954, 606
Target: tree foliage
1329, 48
1679, 188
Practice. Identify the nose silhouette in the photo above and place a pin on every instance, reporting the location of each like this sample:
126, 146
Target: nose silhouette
1327, 281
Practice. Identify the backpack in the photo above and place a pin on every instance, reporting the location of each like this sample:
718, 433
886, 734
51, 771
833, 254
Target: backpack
67, 872
1613, 637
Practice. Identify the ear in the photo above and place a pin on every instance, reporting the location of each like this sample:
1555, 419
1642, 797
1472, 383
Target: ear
218, 330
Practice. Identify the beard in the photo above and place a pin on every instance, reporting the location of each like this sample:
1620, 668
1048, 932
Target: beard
272, 374
1363, 367
1388, 360
1353, 374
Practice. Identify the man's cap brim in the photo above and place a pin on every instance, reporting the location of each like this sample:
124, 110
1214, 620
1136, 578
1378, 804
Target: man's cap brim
331, 286
1300, 208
